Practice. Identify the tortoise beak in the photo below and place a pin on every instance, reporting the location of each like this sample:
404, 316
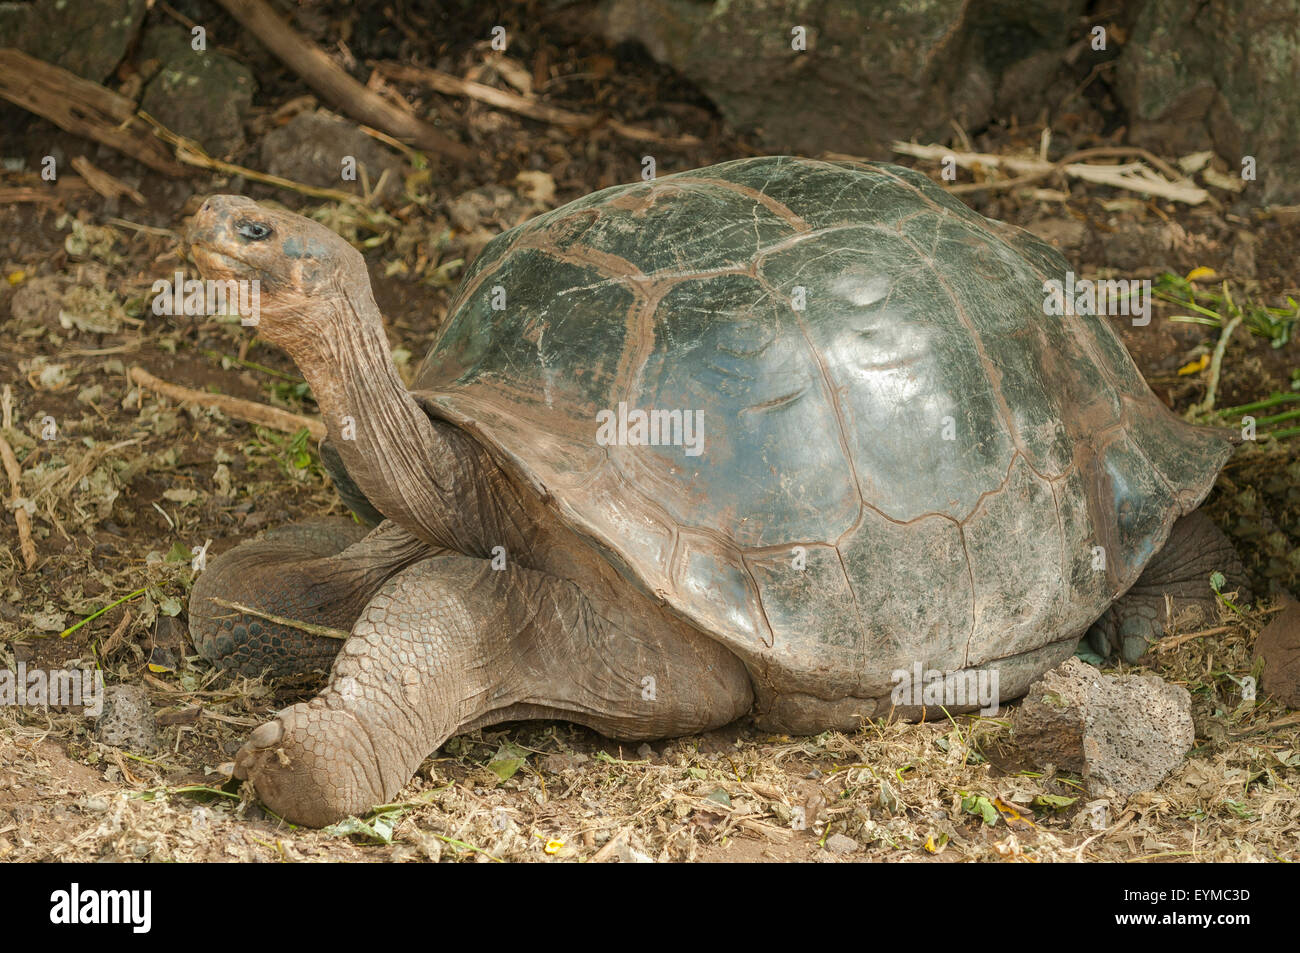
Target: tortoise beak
213, 223
211, 236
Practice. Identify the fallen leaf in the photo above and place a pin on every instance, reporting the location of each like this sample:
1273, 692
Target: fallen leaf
536, 186
981, 806
49, 621
719, 797
1053, 802
507, 761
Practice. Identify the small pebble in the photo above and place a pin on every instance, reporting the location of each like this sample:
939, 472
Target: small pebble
127, 720
841, 844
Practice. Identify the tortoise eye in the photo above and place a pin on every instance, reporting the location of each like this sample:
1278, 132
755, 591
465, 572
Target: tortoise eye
253, 231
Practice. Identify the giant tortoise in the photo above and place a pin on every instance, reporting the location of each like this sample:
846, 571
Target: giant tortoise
754, 438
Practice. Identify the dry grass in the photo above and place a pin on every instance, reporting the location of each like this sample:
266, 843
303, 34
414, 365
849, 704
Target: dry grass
901, 792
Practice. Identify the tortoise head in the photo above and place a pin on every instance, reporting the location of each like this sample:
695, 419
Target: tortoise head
306, 274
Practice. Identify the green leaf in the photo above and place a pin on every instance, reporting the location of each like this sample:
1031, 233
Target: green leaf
980, 805
1240, 809
508, 760
179, 553
379, 830
719, 797
506, 767
1053, 802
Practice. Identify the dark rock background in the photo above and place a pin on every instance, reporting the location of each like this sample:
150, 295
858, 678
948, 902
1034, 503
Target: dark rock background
1188, 77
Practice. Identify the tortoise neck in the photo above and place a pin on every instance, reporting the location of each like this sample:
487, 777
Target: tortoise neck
415, 472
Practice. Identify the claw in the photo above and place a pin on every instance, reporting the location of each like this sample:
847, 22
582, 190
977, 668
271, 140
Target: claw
266, 735
263, 737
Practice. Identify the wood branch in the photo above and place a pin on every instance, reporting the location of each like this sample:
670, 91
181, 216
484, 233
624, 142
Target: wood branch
63, 187
1133, 176
1173, 641
442, 82
325, 76
83, 108
245, 410
105, 184
15, 474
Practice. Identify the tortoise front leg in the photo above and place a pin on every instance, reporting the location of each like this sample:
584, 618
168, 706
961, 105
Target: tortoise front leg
1196, 549
451, 643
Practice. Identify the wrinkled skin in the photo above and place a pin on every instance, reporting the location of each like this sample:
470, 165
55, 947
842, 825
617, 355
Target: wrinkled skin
446, 636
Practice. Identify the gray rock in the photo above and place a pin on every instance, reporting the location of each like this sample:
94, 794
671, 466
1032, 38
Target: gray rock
871, 72
86, 37
480, 214
1123, 733
127, 720
1223, 76
310, 148
200, 94
1139, 246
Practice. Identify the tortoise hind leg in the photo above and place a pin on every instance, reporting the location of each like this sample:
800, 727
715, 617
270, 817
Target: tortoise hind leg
450, 643
1196, 549
321, 572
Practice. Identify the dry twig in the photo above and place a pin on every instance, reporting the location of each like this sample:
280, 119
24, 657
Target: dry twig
246, 410
15, 474
442, 82
1133, 176
310, 628
191, 153
326, 77
106, 185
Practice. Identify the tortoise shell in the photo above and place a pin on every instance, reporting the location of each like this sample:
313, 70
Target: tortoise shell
898, 455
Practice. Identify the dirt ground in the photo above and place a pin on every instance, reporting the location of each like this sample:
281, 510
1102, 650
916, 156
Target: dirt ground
131, 482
